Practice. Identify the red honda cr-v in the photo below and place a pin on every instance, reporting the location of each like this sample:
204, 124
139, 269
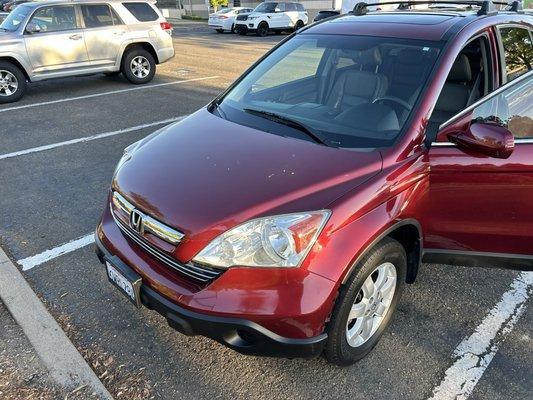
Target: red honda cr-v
285, 218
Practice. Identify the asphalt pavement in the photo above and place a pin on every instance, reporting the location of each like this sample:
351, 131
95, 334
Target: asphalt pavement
51, 196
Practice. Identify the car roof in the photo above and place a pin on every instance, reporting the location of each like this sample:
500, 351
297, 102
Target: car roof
429, 24
38, 3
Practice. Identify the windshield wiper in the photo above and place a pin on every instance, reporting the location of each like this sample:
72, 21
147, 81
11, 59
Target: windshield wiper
281, 119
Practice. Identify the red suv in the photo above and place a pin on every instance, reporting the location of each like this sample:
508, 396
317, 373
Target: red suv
286, 217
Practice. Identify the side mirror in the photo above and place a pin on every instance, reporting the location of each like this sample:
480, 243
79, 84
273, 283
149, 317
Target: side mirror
491, 139
32, 27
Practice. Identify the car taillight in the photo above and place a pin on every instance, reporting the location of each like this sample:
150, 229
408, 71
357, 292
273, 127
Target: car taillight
166, 26
223, 17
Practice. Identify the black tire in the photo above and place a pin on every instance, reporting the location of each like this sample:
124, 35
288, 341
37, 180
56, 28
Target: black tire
20, 80
262, 29
338, 350
127, 68
299, 24
220, 30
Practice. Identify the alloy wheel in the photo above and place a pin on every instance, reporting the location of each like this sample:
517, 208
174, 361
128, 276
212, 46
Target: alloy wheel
262, 29
140, 67
8, 83
371, 304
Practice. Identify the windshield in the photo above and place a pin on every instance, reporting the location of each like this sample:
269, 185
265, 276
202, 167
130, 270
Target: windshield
266, 8
349, 91
15, 18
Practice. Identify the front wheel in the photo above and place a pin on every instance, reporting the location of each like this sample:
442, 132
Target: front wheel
299, 24
262, 29
138, 66
12, 83
366, 303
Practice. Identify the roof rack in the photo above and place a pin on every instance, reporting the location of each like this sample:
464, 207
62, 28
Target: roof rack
486, 6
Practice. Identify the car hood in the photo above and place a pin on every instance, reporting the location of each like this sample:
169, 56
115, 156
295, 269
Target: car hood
205, 175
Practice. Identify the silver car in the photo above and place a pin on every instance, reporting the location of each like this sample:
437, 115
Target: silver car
53, 38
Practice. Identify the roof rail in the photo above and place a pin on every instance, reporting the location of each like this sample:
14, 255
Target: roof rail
516, 6
486, 6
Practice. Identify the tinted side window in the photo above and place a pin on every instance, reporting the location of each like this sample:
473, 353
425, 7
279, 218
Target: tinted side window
116, 18
518, 51
280, 7
97, 15
54, 19
300, 7
142, 11
290, 7
512, 108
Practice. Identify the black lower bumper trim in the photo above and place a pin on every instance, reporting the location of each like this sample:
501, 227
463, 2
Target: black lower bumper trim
244, 336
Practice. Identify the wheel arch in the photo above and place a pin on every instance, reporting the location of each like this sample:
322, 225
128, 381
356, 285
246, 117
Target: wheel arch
17, 63
149, 47
408, 233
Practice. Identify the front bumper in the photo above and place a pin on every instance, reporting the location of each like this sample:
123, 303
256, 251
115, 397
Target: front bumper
245, 26
241, 335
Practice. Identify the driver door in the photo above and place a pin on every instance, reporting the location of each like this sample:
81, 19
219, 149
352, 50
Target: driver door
479, 209
55, 41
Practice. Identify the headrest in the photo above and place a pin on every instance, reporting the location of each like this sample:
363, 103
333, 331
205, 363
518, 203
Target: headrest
371, 57
460, 71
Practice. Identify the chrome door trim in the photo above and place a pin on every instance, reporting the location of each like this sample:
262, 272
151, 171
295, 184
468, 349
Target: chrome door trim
450, 144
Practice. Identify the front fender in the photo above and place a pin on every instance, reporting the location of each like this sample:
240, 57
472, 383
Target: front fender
8, 52
347, 240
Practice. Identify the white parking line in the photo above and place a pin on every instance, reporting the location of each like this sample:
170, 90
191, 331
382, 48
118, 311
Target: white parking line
89, 96
66, 365
474, 353
38, 259
89, 138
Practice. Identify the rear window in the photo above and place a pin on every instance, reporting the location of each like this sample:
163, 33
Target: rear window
142, 11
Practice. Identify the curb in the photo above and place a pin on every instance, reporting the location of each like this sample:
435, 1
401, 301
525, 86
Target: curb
66, 365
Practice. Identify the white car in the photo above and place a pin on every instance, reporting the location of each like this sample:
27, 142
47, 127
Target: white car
224, 19
48, 39
272, 16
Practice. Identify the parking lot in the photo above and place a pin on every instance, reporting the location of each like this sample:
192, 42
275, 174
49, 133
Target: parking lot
58, 150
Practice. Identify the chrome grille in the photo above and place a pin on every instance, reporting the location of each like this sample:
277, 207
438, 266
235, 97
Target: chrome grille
242, 17
145, 223
199, 273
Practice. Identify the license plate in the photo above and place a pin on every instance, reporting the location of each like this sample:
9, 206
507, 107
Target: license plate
128, 285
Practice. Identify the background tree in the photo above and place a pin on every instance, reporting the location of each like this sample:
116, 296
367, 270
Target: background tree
518, 50
218, 3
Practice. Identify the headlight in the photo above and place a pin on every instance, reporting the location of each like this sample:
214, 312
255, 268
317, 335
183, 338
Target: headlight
278, 241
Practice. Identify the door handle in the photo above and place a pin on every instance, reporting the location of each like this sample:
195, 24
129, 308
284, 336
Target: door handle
75, 37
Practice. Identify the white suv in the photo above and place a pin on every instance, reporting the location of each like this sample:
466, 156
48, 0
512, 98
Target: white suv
60, 38
272, 16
